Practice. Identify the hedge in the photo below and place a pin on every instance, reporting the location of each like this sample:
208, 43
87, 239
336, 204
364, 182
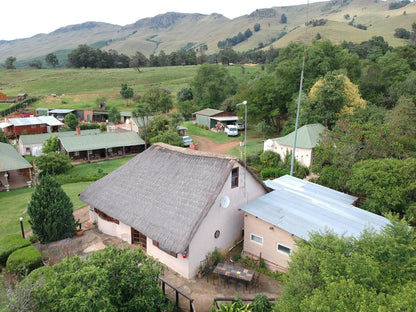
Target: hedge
24, 260
9, 244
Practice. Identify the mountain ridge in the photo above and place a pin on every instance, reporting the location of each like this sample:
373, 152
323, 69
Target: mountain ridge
173, 31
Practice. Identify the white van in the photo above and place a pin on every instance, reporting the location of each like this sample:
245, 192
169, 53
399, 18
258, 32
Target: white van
231, 130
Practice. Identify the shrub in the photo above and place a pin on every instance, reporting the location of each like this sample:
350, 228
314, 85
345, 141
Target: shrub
24, 260
9, 244
269, 159
261, 304
273, 173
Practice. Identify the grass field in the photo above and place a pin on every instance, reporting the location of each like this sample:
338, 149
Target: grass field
79, 88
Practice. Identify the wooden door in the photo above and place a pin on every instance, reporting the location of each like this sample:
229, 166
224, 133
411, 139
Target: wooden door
138, 238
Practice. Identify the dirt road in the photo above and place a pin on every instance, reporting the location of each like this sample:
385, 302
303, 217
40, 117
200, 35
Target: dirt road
207, 145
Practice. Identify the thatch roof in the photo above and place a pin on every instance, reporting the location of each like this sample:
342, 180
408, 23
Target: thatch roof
164, 192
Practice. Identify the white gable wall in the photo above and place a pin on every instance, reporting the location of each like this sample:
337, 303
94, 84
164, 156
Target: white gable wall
229, 221
303, 155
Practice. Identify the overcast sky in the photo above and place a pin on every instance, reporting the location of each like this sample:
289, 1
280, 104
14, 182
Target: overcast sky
26, 18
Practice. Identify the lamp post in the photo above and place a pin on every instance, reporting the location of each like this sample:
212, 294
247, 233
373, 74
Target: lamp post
21, 226
245, 145
6, 175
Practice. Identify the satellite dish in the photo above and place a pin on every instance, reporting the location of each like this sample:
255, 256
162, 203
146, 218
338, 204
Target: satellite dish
225, 202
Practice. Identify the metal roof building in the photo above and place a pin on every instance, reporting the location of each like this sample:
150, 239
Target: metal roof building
10, 159
100, 141
28, 121
307, 136
301, 207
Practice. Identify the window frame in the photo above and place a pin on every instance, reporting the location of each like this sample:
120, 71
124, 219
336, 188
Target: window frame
254, 241
284, 247
235, 172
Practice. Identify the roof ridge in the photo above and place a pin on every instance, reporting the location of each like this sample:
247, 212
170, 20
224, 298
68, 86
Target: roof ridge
191, 152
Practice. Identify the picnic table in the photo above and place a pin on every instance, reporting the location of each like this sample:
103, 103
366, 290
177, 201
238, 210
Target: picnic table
237, 273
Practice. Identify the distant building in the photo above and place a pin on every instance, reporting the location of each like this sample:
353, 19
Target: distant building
307, 138
212, 117
32, 125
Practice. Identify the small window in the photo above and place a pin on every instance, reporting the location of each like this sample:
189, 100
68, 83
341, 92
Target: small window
234, 178
284, 249
27, 149
256, 238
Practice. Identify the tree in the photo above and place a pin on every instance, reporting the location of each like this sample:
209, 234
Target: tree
338, 273
51, 144
212, 85
228, 55
142, 112
114, 115
158, 100
139, 60
283, 19
403, 117
52, 60
50, 211
349, 143
3, 138
36, 64
386, 185
53, 163
256, 27
71, 121
126, 92
401, 33
169, 137
110, 280
332, 96
10, 62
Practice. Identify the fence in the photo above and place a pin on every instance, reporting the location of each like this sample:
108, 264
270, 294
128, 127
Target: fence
177, 293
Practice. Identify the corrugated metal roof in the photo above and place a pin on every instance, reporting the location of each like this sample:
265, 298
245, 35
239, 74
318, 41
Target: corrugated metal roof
101, 140
307, 136
208, 112
226, 118
310, 189
300, 207
10, 159
61, 111
42, 137
28, 121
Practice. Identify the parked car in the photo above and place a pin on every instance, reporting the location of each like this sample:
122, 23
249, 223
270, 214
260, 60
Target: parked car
187, 140
231, 130
240, 126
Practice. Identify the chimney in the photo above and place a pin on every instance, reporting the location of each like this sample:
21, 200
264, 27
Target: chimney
78, 129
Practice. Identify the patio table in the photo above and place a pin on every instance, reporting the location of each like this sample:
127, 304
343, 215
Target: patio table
235, 272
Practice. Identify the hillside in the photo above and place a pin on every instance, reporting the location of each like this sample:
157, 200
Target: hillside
174, 31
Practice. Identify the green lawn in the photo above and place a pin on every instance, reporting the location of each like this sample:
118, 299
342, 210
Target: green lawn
217, 137
13, 205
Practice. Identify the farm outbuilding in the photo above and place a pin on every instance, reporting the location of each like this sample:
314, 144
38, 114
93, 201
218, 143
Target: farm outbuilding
211, 117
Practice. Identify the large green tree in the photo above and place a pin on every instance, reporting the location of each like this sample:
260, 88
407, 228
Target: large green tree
51, 144
106, 281
349, 143
158, 100
71, 121
386, 185
211, 85
372, 272
52, 60
50, 211
53, 163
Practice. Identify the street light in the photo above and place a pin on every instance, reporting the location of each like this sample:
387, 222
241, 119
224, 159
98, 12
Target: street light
21, 226
245, 145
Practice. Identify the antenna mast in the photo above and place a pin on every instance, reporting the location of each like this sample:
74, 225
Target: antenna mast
292, 163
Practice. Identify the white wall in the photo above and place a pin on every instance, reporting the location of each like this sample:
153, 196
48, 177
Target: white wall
303, 155
229, 221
